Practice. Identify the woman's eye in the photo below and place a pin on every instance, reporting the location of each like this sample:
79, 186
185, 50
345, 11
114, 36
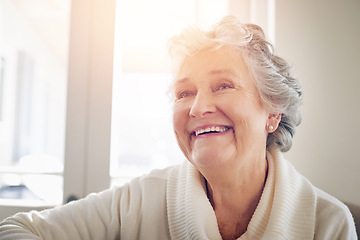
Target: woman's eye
183, 94
224, 86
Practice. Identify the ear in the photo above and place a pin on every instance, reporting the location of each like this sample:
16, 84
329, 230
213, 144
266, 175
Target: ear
273, 122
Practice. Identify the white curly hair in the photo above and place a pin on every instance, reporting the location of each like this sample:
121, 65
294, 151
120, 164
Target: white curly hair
278, 89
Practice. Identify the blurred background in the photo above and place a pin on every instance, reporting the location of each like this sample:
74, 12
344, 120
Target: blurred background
83, 91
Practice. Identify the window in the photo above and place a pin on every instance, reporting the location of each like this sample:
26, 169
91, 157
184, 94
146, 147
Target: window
142, 135
62, 154
33, 77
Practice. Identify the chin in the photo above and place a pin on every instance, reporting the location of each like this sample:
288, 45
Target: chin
209, 159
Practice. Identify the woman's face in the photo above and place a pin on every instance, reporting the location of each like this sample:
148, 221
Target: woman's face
218, 116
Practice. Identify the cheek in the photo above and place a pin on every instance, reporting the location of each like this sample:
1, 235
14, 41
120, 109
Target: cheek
179, 120
247, 116
179, 125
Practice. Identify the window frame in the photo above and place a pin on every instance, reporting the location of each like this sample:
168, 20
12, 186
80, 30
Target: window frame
88, 123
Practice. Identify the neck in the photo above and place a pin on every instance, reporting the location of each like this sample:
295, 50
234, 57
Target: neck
239, 188
235, 196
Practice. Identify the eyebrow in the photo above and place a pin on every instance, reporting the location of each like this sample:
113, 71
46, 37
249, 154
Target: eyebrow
224, 72
212, 72
179, 81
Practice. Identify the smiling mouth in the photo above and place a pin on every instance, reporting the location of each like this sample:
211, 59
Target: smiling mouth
214, 129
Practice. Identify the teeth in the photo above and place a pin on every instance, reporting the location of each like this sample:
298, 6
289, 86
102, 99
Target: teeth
211, 129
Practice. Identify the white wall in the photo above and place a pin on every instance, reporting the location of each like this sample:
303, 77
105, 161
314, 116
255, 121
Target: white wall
321, 38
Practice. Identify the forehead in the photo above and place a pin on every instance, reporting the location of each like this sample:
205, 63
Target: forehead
219, 62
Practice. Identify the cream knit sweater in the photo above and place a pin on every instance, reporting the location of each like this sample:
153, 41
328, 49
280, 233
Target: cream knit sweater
172, 204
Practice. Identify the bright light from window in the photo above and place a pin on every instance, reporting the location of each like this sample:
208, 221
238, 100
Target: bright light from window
33, 77
142, 135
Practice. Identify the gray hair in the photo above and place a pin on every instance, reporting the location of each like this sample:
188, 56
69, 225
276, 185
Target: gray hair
278, 89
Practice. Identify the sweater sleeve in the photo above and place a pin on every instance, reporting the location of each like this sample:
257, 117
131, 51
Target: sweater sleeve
337, 228
333, 219
94, 217
347, 229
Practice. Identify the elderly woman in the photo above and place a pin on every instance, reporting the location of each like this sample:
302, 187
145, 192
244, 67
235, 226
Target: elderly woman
236, 107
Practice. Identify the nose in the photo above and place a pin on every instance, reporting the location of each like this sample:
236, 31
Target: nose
202, 105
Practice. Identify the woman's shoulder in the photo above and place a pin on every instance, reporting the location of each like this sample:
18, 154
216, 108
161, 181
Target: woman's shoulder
155, 176
333, 214
332, 218
154, 181
330, 207
329, 202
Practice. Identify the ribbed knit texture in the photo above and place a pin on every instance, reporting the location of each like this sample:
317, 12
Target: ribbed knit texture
286, 209
190, 213
287, 206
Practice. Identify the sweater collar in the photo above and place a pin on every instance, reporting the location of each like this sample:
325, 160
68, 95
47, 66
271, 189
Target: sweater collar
286, 209
190, 213
287, 206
